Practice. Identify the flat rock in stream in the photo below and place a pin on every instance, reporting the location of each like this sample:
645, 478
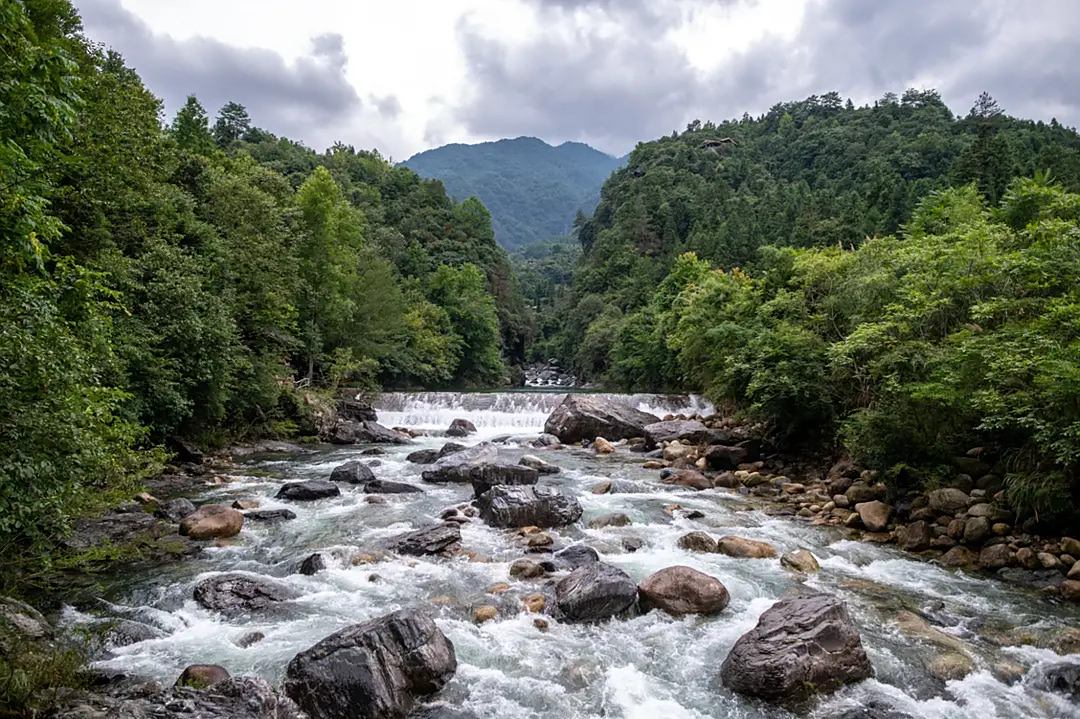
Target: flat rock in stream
236, 593
374, 670
364, 432
352, 472
583, 416
675, 430
308, 491
386, 486
527, 506
456, 466
801, 645
232, 698
595, 591
270, 515
437, 539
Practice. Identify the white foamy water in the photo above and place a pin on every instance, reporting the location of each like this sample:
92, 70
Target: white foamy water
638, 668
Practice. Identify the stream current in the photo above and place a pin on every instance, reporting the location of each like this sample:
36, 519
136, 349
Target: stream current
649, 667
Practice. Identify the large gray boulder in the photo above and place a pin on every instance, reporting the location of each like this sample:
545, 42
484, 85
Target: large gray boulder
352, 472
236, 593
673, 430
457, 466
491, 474
595, 591
374, 670
801, 645
525, 506
582, 416
387, 486
308, 491
437, 539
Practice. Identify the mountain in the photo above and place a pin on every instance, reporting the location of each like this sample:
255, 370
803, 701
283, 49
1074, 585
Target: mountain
532, 189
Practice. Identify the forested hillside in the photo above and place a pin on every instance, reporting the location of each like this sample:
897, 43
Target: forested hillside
532, 189
186, 280
889, 280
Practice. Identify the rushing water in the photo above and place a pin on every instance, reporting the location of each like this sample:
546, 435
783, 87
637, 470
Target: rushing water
649, 667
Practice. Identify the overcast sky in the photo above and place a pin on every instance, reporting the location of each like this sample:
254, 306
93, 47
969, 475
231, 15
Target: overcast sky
405, 75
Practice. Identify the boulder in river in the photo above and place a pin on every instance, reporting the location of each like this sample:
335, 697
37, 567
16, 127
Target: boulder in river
461, 428
875, 515
456, 466
201, 676
745, 548
574, 556
386, 486
352, 472
353, 432
675, 430
595, 591
491, 474
1061, 677
236, 593
697, 542
312, 564
682, 590
583, 416
270, 515
309, 490
800, 560
436, 539
373, 670
690, 478
423, 456
525, 506
801, 645
538, 464
212, 520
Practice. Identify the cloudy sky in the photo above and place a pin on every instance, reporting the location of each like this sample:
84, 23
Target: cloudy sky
406, 75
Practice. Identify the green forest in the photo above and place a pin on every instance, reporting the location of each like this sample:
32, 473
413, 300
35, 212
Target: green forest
191, 276
890, 279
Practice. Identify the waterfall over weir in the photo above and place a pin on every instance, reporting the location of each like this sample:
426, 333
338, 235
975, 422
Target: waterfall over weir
496, 413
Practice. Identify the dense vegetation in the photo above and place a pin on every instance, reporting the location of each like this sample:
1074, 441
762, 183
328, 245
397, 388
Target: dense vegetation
186, 280
868, 277
532, 189
814, 173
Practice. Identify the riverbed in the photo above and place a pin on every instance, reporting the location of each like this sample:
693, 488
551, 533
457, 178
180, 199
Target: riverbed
647, 667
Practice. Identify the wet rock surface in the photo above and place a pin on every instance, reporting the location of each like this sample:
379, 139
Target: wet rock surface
595, 591
508, 506
236, 593
801, 645
374, 670
587, 417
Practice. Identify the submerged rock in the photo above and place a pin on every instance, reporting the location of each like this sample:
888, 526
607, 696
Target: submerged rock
1061, 677
201, 676
589, 416
538, 464
270, 515
236, 593
308, 491
682, 590
374, 670
594, 592
801, 645
429, 540
352, 472
386, 486
212, 520
525, 506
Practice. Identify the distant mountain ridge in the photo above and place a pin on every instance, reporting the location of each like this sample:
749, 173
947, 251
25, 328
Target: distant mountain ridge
532, 189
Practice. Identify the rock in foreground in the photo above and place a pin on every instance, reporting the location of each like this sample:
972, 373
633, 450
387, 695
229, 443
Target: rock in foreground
212, 520
682, 590
374, 670
595, 591
352, 472
801, 645
525, 506
308, 491
589, 416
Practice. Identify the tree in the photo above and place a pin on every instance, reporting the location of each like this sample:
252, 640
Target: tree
473, 317
191, 128
232, 124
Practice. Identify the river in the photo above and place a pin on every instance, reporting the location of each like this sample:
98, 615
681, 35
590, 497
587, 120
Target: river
649, 667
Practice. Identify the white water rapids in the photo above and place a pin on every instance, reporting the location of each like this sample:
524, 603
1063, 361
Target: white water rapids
650, 667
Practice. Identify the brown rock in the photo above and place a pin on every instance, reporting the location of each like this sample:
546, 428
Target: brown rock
875, 515
1047, 560
484, 613
1000, 529
915, 537
976, 530
212, 520
498, 588
697, 542
688, 478
201, 676
745, 548
533, 603
958, 557
955, 528
948, 500
950, 666
1070, 546
995, 556
800, 560
246, 504
526, 569
602, 487
1070, 590
1074, 573
616, 519
602, 446
1025, 557
682, 590
860, 492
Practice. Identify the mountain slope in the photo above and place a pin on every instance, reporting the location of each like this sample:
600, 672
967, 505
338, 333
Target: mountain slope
532, 189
